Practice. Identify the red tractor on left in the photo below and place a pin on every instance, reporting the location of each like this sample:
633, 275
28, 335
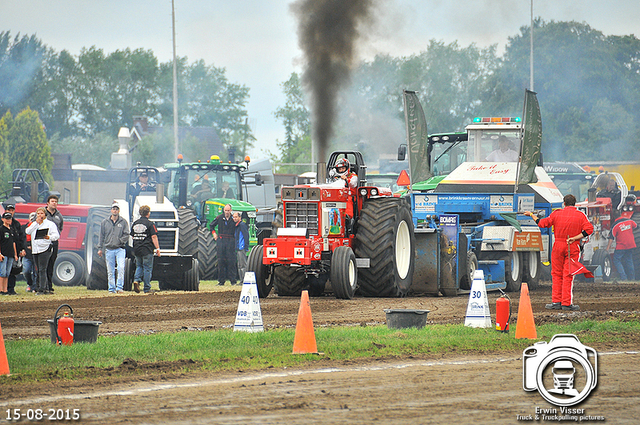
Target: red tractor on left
340, 235
30, 191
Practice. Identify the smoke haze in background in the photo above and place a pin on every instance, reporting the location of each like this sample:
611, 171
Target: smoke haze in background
256, 40
328, 33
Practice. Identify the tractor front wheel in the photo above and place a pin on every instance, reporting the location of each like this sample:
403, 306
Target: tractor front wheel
263, 277
513, 271
344, 273
532, 268
289, 281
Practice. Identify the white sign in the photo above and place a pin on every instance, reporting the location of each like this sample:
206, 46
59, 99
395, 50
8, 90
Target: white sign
249, 315
425, 203
272, 252
526, 203
478, 314
501, 203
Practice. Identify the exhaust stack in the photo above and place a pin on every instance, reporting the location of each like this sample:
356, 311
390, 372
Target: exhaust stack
321, 173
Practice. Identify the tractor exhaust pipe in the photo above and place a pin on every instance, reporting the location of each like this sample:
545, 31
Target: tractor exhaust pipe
321, 173
160, 193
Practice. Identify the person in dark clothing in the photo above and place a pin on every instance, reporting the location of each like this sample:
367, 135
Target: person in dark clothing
20, 240
8, 252
225, 238
612, 191
242, 244
53, 215
145, 243
225, 191
142, 185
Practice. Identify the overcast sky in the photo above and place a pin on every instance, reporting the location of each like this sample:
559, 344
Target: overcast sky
256, 40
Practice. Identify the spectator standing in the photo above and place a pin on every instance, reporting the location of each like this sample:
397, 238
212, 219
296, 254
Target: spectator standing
53, 215
20, 243
225, 238
28, 265
569, 226
114, 235
8, 252
622, 233
42, 247
145, 243
242, 244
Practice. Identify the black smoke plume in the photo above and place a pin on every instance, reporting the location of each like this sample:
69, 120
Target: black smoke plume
327, 34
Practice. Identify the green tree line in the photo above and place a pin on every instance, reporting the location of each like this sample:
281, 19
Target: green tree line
83, 100
588, 86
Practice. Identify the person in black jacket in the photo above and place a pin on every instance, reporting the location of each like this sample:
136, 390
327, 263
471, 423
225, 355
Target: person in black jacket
225, 238
145, 243
8, 252
54, 215
20, 240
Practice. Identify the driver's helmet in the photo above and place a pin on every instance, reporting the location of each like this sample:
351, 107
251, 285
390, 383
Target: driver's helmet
342, 167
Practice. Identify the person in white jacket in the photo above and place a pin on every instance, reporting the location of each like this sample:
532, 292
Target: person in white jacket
43, 232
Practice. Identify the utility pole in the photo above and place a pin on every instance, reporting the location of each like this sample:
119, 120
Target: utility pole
175, 82
531, 51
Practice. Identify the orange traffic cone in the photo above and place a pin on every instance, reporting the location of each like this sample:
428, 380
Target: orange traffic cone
4, 363
305, 339
525, 327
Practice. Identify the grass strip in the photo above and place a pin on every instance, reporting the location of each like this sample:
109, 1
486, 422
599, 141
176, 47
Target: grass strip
224, 350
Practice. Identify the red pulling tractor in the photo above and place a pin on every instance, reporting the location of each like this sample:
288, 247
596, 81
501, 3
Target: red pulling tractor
359, 239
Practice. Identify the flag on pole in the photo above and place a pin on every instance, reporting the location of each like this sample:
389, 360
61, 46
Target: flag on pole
531, 139
577, 268
416, 138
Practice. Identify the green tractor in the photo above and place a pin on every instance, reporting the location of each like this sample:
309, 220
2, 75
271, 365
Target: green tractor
205, 188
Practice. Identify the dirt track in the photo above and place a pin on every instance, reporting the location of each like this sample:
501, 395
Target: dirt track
481, 389
174, 311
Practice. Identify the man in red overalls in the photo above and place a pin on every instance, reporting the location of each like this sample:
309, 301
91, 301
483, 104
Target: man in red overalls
569, 226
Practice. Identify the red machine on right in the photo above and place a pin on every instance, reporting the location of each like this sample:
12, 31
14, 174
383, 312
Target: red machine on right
609, 200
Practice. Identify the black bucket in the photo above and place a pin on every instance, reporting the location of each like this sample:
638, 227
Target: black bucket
83, 330
402, 319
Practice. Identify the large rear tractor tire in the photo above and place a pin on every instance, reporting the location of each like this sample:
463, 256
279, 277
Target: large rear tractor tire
129, 273
472, 266
636, 251
263, 277
602, 258
188, 236
385, 236
513, 271
344, 273
191, 281
207, 255
317, 284
289, 281
532, 268
96, 265
69, 269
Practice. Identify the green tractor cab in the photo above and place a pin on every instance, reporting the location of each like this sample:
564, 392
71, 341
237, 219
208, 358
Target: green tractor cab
205, 188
